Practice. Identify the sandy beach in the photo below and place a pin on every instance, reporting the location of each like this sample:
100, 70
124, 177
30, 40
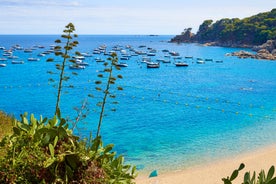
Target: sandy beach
212, 173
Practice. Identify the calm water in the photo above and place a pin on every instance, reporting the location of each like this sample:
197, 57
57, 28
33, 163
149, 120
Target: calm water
167, 118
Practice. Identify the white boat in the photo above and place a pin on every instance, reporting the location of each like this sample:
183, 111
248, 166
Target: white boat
33, 59
13, 57
181, 64
17, 62
3, 59
41, 55
79, 57
200, 62
3, 65
81, 63
122, 65
76, 67
173, 53
151, 54
153, 65
99, 60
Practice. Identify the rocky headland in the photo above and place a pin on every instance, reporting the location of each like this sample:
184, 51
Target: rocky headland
256, 32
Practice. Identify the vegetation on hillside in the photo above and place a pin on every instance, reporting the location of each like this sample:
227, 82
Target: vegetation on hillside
254, 30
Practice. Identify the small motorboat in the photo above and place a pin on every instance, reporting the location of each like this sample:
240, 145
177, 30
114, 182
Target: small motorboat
76, 67
122, 65
3, 65
153, 65
200, 62
181, 64
17, 62
33, 59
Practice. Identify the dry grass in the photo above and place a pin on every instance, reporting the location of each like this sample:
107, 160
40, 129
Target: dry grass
5, 126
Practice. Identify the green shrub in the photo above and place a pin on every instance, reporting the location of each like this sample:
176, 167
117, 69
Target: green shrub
46, 151
247, 179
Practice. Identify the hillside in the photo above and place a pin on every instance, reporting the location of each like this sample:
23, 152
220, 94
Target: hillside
247, 32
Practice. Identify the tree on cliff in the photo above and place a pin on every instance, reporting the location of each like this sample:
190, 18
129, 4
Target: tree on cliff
254, 30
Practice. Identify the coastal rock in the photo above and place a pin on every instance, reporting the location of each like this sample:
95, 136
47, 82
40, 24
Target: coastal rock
261, 54
265, 51
270, 45
242, 54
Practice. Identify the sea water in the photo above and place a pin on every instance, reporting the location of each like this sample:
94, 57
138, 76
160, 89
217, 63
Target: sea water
167, 118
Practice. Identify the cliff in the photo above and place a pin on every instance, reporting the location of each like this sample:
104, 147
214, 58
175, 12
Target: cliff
250, 32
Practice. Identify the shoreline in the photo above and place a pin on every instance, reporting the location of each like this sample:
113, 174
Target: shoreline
213, 172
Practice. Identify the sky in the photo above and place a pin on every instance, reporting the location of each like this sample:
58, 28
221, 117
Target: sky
158, 17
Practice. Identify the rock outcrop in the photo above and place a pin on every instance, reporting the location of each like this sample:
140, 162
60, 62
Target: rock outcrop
265, 51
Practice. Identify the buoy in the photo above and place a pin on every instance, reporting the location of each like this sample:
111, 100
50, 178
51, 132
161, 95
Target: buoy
153, 174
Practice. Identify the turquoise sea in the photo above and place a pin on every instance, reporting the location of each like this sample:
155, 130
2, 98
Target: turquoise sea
167, 118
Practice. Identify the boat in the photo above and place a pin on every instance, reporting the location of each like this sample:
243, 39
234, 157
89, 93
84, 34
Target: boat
181, 64
208, 59
200, 62
153, 65
3, 65
3, 59
79, 57
99, 60
17, 62
41, 55
151, 54
76, 67
124, 58
33, 59
81, 63
219, 61
173, 53
13, 57
189, 57
122, 65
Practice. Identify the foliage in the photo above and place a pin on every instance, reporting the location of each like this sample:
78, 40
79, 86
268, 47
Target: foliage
69, 44
107, 91
254, 30
261, 179
46, 151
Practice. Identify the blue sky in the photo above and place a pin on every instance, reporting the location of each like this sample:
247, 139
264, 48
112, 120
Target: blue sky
120, 16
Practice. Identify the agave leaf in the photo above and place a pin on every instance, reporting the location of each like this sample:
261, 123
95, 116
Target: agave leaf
55, 141
270, 173
52, 150
49, 162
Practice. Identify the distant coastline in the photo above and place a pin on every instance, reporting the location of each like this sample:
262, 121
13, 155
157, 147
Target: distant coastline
257, 32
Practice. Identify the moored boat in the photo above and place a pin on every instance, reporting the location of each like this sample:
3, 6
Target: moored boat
122, 64
33, 59
3, 65
153, 65
76, 67
17, 62
181, 64
200, 62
